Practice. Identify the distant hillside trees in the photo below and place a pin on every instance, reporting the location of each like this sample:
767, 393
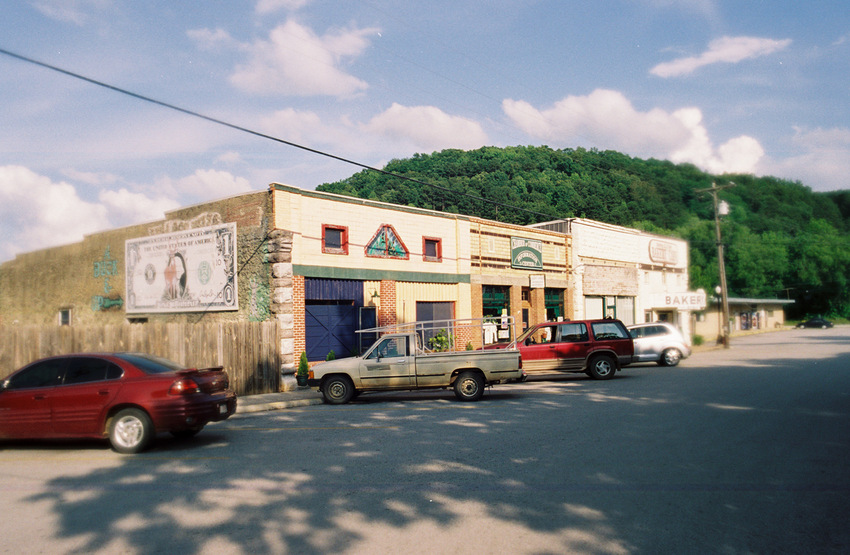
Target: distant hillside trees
781, 239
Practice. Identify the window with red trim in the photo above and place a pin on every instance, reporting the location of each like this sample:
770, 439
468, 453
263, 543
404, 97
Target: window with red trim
432, 249
334, 239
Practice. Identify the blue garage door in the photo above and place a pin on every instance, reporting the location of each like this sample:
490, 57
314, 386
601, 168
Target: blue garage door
332, 310
331, 327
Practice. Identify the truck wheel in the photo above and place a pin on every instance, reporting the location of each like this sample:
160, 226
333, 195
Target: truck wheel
601, 367
130, 431
338, 390
469, 386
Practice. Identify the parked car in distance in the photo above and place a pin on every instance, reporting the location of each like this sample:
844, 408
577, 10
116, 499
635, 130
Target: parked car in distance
599, 348
815, 323
125, 397
659, 342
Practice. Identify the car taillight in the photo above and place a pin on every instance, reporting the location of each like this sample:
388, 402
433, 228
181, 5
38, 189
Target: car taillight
184, 386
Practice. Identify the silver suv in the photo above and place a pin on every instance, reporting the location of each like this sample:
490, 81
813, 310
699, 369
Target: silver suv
659, 342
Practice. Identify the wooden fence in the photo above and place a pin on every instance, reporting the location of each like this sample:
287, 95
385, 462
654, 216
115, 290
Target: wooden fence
249, 351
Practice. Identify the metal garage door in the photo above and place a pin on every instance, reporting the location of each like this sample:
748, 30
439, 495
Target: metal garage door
332, 316
330, 327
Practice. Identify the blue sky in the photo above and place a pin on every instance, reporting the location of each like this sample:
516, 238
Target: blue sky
749, 86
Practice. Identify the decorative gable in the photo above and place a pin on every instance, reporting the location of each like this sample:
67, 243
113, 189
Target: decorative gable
387, 244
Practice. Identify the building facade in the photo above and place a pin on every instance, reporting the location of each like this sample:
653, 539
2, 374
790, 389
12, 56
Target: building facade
325, 266
627, 274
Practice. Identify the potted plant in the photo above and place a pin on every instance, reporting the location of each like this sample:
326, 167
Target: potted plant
303, 369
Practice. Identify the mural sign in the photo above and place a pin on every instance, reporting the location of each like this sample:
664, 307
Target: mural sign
526, 254
105, 269
186, 271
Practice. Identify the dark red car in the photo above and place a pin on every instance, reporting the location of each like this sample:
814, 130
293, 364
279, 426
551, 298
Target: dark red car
126, 397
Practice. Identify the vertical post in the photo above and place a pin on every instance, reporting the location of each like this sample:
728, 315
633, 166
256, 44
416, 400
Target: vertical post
724, 292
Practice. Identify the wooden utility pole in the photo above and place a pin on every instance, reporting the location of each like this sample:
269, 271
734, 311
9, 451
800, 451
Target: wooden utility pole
724, 293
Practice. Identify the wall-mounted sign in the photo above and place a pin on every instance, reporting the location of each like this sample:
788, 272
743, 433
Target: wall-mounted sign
662, 252
186, 271
537, 281
526, 254
689, 300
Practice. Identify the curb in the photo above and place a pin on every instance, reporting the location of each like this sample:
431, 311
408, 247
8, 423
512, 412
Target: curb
276, 405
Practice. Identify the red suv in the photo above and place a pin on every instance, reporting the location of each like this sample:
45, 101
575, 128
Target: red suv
596, 347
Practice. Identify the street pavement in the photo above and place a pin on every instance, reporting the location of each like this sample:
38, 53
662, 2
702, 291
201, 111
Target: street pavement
304, 396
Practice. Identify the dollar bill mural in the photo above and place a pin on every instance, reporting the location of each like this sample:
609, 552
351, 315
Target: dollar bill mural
186, 271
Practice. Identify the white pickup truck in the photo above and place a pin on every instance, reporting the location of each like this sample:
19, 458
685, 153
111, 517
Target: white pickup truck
401, 361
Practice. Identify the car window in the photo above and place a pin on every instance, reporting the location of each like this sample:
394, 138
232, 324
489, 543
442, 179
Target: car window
573, 332
83, 370
608, 330
41, 374
637, 333
150, 364
390, 347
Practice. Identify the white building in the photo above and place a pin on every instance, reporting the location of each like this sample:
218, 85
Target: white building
628, 274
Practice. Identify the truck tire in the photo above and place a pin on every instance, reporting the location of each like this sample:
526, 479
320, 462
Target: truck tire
469, 386
337, 390
601, 367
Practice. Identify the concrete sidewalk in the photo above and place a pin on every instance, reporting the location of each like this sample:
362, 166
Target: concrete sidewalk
299, 397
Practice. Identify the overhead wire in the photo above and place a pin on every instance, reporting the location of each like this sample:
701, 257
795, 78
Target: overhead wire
249, 131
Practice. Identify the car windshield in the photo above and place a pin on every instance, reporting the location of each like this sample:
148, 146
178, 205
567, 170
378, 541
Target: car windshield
150, 364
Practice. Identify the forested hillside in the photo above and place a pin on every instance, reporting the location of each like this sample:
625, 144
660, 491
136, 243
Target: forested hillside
782, 240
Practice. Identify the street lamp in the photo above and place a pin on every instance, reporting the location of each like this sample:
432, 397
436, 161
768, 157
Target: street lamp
721, 209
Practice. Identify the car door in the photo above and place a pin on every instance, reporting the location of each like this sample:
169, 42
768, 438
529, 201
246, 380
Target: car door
89, 386
388, 364
642, 343
538, 350
25, 400
572, 346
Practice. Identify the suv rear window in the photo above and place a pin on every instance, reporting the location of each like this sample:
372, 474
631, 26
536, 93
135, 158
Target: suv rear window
608, 330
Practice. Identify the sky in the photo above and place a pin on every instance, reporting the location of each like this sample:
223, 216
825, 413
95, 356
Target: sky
731, 86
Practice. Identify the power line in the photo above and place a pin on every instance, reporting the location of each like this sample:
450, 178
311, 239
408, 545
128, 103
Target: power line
257, 133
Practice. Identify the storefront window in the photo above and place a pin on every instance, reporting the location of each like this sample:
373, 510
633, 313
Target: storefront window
495, 299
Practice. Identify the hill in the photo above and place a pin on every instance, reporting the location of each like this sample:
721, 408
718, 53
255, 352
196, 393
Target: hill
782, 240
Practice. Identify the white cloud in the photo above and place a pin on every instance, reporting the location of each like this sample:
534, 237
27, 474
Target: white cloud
207, 39
90, 178
295, 61
205, 185
38, 212
269, 6
128, 208
69, 11
607, 118
822, 162
427, 128
723, 50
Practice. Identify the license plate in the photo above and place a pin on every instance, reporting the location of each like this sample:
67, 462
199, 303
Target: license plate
222, 408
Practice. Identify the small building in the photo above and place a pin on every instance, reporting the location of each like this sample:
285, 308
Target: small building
745, 315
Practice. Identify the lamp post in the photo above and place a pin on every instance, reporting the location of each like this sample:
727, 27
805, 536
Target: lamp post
721, 209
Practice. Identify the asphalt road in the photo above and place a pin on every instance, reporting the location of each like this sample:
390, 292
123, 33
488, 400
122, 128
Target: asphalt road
735, 451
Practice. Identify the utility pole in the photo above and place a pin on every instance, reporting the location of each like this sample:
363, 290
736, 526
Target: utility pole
724, 292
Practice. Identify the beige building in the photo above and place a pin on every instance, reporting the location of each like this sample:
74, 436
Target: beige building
627, 274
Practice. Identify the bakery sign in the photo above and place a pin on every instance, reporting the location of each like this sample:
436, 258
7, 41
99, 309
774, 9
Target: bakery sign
187, 271
662, 252
689, 300
526, 254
